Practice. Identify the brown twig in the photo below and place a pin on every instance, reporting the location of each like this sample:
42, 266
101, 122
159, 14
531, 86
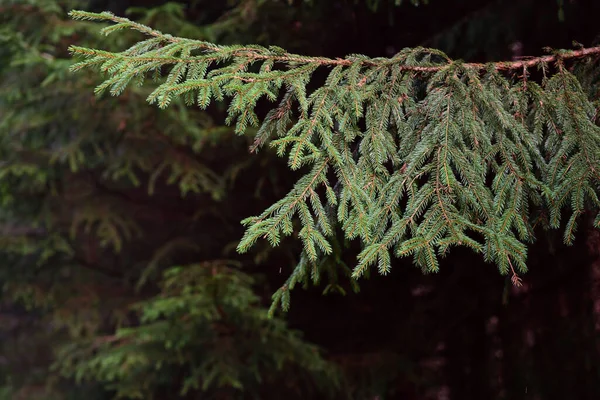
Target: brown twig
257, 54
254, 54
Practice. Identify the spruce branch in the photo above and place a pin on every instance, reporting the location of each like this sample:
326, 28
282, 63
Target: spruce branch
427, 153
275, 54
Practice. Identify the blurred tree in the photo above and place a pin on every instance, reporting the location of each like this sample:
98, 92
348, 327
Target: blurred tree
99, 199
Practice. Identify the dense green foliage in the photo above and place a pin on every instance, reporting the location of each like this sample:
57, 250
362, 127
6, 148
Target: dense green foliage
83, 187
204, 326
411, 155
125, 271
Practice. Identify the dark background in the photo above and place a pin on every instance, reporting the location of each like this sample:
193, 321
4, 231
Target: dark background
466, 332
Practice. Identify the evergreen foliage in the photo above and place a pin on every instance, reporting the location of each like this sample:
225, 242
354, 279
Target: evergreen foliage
217, 341
100, 200
119, 222
410, 155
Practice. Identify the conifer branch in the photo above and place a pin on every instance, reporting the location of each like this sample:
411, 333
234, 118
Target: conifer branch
256, 53
428, 153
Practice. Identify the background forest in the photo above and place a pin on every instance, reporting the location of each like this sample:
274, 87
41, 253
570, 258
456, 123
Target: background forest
119, 224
